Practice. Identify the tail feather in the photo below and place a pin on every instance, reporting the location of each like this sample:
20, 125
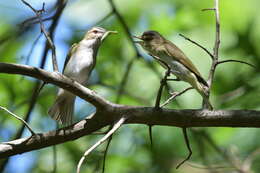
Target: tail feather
63, 107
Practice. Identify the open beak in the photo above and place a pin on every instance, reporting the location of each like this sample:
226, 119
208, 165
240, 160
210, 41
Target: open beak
107, 33
140, 41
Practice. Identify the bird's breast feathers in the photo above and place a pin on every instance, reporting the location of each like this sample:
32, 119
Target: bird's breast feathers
80, 65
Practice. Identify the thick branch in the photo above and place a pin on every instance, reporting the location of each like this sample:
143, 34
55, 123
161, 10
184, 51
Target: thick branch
56, 79
111, 112
138, 115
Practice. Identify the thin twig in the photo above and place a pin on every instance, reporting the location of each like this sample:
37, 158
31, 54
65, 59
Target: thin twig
46, 34
32, 48
128, 33
60, 5
105, 153
159, 93
102, 140
163, 82
158, 98
174, 95
232, 60
216, 46
34, 20
208, 9
186, 138
206, 167
20, 119
199, 45
151, 135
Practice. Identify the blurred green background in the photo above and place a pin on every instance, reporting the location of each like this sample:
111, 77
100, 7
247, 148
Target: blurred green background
235, 86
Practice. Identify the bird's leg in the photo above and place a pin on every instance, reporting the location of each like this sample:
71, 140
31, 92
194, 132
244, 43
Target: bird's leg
159, 94
163, 82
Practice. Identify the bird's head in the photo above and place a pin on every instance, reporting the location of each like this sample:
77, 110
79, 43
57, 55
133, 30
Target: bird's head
97, 33
149, 39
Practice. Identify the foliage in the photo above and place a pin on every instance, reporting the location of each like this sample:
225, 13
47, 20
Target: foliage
235, 86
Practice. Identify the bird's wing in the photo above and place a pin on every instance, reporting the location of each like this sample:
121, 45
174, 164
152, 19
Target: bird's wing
72, 50
160, 61
178, 55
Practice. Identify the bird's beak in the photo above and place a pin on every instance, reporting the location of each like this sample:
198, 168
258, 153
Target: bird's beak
107, 33
140, 41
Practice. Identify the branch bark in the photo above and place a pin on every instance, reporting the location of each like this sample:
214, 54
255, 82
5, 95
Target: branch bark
108, 112
56, 79
138, 115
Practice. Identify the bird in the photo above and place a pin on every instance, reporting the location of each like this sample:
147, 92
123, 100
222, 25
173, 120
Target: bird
79, 63
172, 57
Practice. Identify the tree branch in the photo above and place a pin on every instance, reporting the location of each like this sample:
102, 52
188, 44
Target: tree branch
238, 61
116, 126
137, 115
216, 46
46, 34
108, 112
20, 119
56, 79
199, 45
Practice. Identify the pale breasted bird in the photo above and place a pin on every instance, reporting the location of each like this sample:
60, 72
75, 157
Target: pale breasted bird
168, 53
78, 66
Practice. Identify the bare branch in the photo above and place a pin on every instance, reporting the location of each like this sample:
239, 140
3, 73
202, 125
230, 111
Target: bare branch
139, 115
46, 34
32, 48
174, 95
216, 46
105, 153
60, 5
20, 119
199, 45
34, 20
163, 81
57, 79
102, 140
217, 39
232, 60
208, 9
186, 138
159, 93
111, 112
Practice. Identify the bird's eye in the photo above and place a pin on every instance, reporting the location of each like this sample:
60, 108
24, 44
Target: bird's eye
95, 31
148, 37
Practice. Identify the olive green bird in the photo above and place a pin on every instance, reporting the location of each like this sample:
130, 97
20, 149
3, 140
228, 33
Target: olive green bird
170, 56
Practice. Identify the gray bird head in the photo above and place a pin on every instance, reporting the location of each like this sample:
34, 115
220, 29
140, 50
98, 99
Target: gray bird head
150, 39
98, 33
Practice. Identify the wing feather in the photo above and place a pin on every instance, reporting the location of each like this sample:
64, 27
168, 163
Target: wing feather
173, 51
72, 50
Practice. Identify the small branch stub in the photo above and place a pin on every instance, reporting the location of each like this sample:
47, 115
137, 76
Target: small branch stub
20, 119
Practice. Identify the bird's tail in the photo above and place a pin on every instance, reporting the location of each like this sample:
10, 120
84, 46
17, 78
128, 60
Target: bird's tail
62, 109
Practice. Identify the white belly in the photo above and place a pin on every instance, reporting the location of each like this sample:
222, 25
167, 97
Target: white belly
80, 65
177, 68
